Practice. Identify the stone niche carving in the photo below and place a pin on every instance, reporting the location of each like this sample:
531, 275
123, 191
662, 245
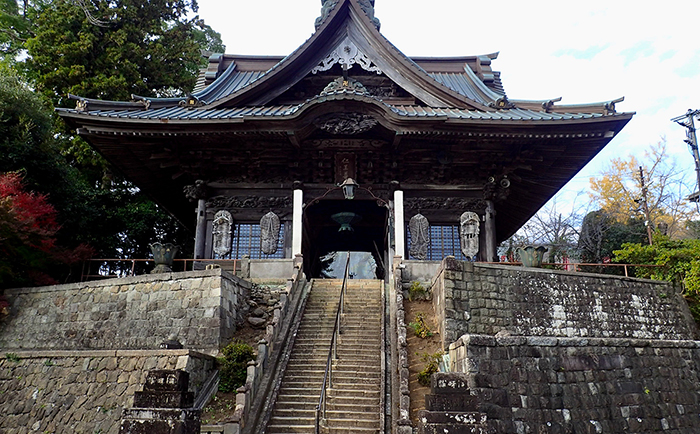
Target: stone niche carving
222, 229
419, 228
469, 234
346, 123
270, 233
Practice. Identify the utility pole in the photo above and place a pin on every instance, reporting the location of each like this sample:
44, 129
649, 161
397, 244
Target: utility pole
645, 206
687, 121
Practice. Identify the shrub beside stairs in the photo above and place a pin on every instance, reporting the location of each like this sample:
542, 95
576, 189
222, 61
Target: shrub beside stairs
353, 403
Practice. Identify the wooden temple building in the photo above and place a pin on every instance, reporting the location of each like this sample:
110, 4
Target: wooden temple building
443, 162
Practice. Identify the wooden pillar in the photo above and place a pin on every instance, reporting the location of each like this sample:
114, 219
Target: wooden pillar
201, 231
490, 228
399, 225
297, 214
198, 192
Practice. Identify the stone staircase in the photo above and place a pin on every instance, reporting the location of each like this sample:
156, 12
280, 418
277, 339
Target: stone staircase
353, 403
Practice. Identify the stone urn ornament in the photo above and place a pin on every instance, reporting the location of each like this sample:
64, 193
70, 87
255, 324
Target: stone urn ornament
163, 255
531, 256
4, 306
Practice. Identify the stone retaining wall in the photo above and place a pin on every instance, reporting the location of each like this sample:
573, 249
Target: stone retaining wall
574, 385
82, 392
487, 299
202, 308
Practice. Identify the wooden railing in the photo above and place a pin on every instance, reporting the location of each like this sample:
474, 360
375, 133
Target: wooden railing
117, 268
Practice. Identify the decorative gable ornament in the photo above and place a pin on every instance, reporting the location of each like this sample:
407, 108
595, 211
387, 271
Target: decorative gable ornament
346, 123
346, 54
269, 233
342, 84
328, 5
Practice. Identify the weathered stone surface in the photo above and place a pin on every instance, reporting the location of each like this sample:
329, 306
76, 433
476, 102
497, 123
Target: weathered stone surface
82, 391
593, 385
257, 322
487, 299
160, 421
200, 309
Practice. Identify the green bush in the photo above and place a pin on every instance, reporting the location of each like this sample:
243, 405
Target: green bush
233, 365
420, 328
432, 363
679, 261
417, 292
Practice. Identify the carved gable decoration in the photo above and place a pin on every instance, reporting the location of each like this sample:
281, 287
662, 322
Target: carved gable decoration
419, 228
347, 54
346, 123
249, 202
342, 84
469, 234
222, 229
269, 233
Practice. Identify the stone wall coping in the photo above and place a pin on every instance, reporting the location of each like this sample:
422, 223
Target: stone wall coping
145, 278
43, 354
560, 272
547, 341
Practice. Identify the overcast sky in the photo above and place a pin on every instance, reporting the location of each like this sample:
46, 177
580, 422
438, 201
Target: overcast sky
587, 51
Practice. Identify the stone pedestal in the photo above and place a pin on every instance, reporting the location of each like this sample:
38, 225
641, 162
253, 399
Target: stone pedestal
451, 409
163, 407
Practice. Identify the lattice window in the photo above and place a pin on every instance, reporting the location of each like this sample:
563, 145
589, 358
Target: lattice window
444, 241
246, 241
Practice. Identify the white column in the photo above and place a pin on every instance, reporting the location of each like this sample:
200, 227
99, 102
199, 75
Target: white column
297, 214
399, 224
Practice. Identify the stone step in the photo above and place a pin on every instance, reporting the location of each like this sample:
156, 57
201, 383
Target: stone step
338, 372
366, 405
362, 401
353, 430
353, 401
290, 427
352, 414
346, 326
338, 420
342, 393
336, 382
341, 347
301, 391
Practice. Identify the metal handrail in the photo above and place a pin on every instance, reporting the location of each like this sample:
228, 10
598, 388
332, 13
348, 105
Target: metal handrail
332, 351
576, 265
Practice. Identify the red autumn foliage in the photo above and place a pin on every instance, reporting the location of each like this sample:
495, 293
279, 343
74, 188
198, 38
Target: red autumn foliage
28, 215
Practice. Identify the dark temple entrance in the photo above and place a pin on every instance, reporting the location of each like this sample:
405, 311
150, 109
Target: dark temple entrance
364, 229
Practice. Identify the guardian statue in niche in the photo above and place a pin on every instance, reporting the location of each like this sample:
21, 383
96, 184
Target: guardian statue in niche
419, 228
222, 228
469, 234
269, 233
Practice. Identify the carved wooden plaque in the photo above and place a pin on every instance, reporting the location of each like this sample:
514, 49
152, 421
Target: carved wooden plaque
345, 167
